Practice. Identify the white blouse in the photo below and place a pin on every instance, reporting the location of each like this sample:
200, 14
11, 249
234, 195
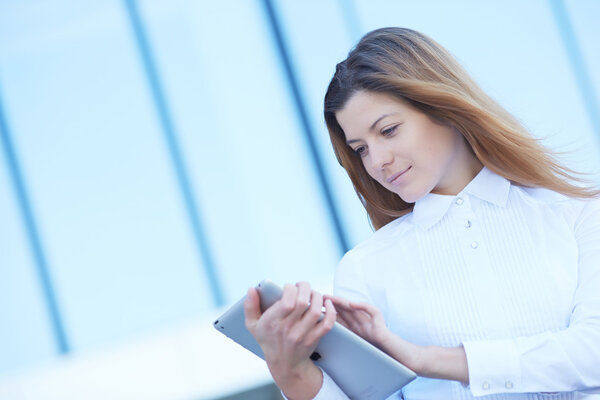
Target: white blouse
510, 273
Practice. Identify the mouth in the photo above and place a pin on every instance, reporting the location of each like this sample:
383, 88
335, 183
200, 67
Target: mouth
394, 179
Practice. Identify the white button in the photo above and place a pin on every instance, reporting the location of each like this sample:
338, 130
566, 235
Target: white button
459, 201
485, 386
474, 245
468, 224
508, 384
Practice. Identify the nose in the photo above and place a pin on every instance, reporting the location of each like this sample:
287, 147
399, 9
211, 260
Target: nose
381, 156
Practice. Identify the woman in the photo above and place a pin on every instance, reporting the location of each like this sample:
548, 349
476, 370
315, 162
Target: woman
483, 276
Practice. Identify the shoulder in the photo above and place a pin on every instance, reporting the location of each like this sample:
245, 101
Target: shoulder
362, 270
559, 205
376, 249
384, 237
540, 195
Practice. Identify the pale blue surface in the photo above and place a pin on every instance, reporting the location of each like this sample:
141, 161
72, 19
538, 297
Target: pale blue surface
103, 190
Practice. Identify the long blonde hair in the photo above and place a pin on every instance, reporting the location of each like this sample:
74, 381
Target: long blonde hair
412, 67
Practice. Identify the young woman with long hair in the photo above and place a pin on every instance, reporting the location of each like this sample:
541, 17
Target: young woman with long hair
483, 275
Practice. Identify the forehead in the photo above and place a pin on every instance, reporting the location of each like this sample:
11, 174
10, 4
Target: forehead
364, 108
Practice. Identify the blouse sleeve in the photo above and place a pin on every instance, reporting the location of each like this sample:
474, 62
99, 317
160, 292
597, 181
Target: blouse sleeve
563, 361
329, 390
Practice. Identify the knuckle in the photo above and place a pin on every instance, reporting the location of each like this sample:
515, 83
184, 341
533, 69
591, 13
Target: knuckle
302, 303
314, 313
294, 338
311, 342
280, 330
289, 289
287, 306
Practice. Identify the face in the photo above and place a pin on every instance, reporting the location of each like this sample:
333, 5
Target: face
403, 149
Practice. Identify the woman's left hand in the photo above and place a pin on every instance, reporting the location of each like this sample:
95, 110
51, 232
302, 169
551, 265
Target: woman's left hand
363, 319
367, 322
431, 361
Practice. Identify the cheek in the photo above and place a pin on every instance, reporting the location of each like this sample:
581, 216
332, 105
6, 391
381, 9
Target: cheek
430, 155
441, 148
370, 171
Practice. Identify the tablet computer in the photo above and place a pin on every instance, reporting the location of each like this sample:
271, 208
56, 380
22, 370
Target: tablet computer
360, 369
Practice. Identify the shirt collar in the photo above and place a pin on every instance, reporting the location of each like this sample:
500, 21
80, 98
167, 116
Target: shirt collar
486, 186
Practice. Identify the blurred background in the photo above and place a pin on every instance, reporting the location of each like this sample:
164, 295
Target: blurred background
158, 157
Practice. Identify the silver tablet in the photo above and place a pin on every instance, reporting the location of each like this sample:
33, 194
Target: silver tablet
360, 369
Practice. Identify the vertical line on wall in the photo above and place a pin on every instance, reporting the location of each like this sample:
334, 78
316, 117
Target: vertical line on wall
34, 240
348, 8
575, 56
307, 130
177, 159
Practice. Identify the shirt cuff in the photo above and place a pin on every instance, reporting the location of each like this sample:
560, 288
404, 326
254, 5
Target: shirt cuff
329, 390
493, 367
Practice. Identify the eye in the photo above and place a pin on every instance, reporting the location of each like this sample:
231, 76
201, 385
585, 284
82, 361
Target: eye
389, 131
361, 151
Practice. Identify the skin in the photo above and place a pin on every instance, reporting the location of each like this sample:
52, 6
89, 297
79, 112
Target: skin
429, 361
288, 333
410, 155
391, 137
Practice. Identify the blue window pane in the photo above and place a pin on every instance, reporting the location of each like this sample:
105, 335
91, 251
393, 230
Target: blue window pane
26, 334
315, 53
264, 213
583, 16
109, 210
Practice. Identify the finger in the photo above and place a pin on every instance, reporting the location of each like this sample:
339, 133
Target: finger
338, 301
303, 301
315, 311
302, 328
366, 307
339, 316
284, 306
350, 318
354, 306
330, 312
338, 304
365, 312
340, 320
326, 324
363, 318
252, 308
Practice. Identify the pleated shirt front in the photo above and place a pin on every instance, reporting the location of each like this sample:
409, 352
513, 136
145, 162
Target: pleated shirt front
510, 273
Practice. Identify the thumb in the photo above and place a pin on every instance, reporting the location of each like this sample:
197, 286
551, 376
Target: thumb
252, 308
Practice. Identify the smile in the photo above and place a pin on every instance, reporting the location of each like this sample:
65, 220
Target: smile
396, 178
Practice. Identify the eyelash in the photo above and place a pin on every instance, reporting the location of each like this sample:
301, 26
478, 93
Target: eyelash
361, 150
389, 131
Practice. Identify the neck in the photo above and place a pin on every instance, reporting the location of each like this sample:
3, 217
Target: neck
466, 167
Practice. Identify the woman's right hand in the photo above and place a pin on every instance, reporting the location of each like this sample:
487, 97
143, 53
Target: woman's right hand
288, 333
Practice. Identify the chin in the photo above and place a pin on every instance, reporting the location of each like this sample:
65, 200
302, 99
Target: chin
411, 197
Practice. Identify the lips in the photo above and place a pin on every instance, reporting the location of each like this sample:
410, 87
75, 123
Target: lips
392, 179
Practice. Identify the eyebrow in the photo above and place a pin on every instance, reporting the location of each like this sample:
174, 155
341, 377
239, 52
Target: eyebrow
373, 125
379, 119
